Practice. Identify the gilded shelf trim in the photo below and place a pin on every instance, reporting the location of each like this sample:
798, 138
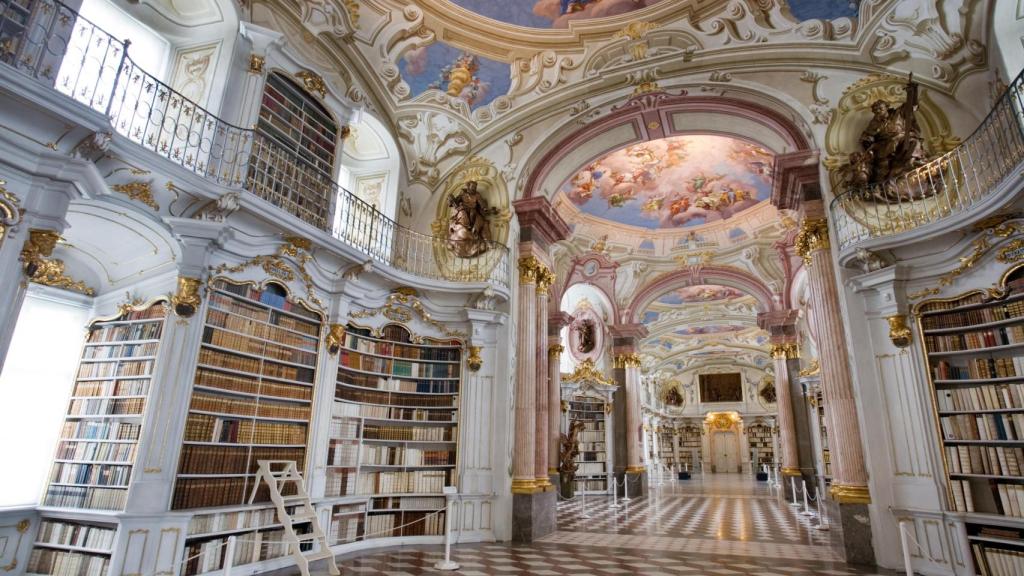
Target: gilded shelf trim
277, 267
399, 307
587, 373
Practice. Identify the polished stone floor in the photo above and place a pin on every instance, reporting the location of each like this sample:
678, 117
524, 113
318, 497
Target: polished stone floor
717, 525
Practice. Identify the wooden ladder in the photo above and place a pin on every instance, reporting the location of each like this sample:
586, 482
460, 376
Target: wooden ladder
277, 474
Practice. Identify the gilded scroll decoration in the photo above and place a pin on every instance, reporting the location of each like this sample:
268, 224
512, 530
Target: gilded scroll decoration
899, 332
399, 308
50, 272
139, 190
186, 299
276, 266
10, 211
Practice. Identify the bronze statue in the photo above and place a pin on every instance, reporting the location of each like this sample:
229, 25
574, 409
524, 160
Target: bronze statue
585, 337
891, 146
469, 232
570, 449
673, 397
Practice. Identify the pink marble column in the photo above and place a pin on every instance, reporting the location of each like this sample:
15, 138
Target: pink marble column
554, 406
523, 477
850, 477
540, 464
781, 352
634, 424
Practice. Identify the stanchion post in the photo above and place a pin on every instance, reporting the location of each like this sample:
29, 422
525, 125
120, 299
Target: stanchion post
229, 555
792, 489
822, 510
904, 536
625, 487
447, 563
807, 509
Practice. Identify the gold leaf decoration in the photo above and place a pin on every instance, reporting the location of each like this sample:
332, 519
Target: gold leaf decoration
51, 273
140, 190
277, 267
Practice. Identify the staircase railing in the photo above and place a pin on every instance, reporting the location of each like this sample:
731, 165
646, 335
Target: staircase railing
55, 46
942, 188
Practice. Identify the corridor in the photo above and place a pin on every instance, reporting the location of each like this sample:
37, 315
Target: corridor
721, 524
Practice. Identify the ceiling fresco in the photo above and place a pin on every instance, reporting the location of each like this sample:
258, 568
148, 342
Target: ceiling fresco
674, 182
700, 293
438, 66
713, 329
551, 13
558, 13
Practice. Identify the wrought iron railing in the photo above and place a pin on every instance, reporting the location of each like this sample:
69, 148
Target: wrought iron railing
942, 188
55, 46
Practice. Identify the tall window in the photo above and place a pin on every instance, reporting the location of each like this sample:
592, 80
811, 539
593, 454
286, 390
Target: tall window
293, 153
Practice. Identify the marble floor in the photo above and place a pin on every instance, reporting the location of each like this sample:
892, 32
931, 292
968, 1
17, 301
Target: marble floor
718, 525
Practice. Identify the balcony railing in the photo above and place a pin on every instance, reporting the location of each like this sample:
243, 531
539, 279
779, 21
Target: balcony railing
942, 188
55, 46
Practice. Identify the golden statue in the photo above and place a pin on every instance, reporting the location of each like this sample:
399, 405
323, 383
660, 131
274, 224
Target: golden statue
469, 234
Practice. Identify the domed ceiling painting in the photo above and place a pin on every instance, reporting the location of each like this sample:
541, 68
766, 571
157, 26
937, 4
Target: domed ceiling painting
558, 13
674, 182
699, 294
461, 75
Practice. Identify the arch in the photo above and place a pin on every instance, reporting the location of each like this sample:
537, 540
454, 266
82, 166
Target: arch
370, 165
661, 115
722, 275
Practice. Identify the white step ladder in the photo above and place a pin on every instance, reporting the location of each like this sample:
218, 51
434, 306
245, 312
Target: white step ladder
277, 474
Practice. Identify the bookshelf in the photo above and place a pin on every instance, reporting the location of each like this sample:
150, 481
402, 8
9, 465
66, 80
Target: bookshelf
258, 533
14, 28
826, 455
689, 446
65, 548
666, 447
292, 123
762, 444
98, 441
974, 349
593, 464
393, 433
251, 396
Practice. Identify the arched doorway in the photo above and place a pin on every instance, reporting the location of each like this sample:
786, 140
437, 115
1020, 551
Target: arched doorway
724, 439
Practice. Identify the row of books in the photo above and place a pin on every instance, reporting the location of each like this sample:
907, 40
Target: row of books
130, 387
408, 503
106, 406
983, 426
345, 529
210, 492
344, 409
394, 398
205, 459
96, 451
74, 534
258, 328
266, 368
590, 446
585, 456
937, 306
92, 474
66, 563
591, 469
978, 368
994, 313
82, 497
586, 406
236, 520
408, 482
397, 385
250, 385
343, 453
592, 435
404, 524
247, 407
272, 295
1009, 498
1001, 397
125, 368
358, 343
208, 555
992, 460
402, 456
126, 332
411, 433
116, 351
248, 345
105, 430
205, 428
397, 367
590, 484
997, 561
1000, 336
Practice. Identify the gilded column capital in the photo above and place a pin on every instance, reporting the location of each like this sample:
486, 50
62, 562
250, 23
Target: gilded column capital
335, 338
555, 350
899, 332
473, 360
39, 244
545, 278
813, 236
627, 360
784, 351
529, 266
186, 299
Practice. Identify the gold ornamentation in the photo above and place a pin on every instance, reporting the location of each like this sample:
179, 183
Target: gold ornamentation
474, 361
140, 190
845, 494
790, 471
586, 372
335, 338
524, 486
924, 292
813, 236
555, 350
627, 361
545, 278
313, 82
565, 405
397, 308
352, 6
635, 30
786, 351
813, 369
23, 525
1012, 252
256, 63
899, 332
529, 266
186, 300
51, 273
635, 469
10, 210
277, 267
722, 420
38, 245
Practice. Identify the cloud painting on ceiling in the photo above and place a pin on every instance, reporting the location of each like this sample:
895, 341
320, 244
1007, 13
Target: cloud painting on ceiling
673, 182
700, 293
551, 13
714, 329
469, 77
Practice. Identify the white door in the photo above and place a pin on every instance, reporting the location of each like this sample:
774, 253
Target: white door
725, 452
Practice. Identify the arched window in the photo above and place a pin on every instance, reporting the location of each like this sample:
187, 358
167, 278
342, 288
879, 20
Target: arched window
294, 151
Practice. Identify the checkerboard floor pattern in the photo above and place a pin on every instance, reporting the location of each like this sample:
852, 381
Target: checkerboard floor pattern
721, 525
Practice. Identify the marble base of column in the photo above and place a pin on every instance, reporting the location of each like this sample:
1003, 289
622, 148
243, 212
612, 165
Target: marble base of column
637, 483
853, 527
533, 515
